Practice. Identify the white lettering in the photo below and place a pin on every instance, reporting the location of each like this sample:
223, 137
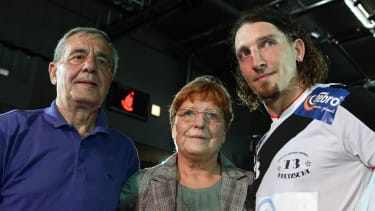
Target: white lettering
323, 97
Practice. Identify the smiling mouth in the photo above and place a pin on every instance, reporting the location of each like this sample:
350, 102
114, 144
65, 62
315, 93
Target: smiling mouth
198, 137
263, 77
88, 83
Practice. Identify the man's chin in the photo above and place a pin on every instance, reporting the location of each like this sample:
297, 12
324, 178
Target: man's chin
267, 95
88, 102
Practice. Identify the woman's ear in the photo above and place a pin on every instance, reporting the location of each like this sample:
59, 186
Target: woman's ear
173, 131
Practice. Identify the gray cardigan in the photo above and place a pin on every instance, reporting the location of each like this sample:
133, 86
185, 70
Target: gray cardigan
155, 188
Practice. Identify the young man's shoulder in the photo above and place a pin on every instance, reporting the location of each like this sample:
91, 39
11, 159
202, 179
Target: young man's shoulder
360, 102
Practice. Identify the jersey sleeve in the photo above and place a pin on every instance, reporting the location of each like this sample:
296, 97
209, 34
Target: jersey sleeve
360, 103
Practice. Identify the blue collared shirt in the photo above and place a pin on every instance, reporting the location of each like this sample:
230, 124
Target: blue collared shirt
46, 165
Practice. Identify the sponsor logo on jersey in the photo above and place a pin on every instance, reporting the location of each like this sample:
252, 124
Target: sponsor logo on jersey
266, 205
322, 104
293, 165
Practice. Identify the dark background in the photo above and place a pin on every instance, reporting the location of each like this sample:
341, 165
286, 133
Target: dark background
162, 45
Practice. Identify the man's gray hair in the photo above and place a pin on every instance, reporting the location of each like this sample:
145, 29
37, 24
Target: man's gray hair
59, 50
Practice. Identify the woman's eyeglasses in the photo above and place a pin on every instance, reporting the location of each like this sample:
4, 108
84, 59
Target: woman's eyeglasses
189, 115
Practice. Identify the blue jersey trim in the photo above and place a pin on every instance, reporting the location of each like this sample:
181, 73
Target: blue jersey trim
322, 104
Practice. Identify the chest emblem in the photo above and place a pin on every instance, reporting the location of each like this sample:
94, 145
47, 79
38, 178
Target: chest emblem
293, 165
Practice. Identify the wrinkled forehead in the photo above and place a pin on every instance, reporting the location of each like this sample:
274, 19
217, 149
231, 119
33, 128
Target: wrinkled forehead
88, 41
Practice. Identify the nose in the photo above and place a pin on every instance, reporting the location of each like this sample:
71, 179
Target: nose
200, 120
259, 63
90, 64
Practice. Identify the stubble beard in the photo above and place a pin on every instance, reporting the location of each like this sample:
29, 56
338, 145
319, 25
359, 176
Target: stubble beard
268, 93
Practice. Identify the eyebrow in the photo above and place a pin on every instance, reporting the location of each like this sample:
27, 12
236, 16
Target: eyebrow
204, 110
266, 37
83, 50
78, 50
259, 40
102, 54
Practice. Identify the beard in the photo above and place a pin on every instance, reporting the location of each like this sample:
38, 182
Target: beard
267, 92
271, 91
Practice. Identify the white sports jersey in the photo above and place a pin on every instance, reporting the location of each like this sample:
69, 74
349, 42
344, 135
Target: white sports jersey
328, 164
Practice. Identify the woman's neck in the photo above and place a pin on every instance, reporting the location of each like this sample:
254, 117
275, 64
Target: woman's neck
193, 174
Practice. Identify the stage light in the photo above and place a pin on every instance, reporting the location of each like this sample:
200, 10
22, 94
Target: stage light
366, 17
4, 72
155, 110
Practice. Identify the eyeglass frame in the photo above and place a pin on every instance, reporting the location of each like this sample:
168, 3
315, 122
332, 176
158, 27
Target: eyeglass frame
206, 115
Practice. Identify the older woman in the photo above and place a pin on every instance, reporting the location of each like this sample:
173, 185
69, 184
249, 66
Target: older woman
197, 176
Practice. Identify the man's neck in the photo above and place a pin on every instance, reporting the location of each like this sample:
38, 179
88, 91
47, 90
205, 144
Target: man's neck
82, 118
275, 107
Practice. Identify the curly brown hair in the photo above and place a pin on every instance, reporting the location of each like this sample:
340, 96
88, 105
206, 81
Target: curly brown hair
313, 69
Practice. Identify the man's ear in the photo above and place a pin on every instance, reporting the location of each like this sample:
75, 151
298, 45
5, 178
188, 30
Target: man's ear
300, 49
52, 67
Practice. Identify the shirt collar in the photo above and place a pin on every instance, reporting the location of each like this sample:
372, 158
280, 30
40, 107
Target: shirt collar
54, 117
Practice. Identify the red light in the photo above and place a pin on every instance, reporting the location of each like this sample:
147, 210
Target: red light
127, 102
